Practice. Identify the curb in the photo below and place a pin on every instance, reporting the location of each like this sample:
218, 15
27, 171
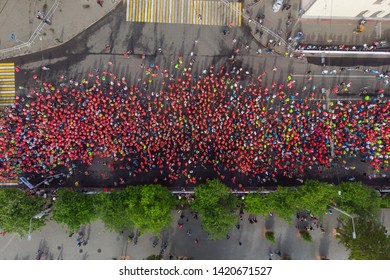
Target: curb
26, 44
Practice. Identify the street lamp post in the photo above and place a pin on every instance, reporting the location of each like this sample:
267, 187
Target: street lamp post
350, 216
29, 230
37, 216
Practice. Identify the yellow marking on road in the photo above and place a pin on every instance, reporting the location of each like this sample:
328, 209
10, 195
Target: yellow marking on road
212, 12
7, 76
3, 89
7, 94
192, 11
142, 11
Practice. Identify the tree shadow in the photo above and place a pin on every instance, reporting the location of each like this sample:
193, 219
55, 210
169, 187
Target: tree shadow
269, 223
323, 249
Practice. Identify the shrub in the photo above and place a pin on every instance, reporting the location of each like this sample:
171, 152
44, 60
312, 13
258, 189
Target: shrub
306, 236
385, 202
270, 236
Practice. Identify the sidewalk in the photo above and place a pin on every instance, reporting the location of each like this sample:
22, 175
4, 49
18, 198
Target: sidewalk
19, 22
102, 244
316, 31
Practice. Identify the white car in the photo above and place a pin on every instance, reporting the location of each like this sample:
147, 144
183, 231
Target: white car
277, 5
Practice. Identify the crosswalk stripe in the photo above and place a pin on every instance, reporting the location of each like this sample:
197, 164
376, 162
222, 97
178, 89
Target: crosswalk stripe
190, 9
137, 10
212, 15
142, 10
168, 16
161, 10
132, 8
147, 10
3, 94
182, 12
195, 12
7, 84
173, 19
212, 12
153, 10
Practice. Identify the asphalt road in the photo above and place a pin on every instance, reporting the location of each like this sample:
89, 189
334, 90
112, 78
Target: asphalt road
110, 38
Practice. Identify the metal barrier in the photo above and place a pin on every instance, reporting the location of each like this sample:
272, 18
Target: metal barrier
267, 30
35, 33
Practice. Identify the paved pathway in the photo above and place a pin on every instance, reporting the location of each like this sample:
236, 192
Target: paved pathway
22, 32
106, 245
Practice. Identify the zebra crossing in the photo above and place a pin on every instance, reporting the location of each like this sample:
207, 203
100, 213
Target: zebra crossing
202, 12
9, 183
7, 84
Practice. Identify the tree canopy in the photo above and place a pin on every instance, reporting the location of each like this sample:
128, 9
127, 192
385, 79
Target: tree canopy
75, 209
372, 241
17, 208
315, 196
215, 206
113, 210
258, 203
149, 207
357, 199
285, 203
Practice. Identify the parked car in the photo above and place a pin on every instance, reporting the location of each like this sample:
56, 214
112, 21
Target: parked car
277, 5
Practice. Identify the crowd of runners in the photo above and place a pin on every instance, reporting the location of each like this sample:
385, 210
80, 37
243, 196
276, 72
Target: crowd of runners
221, 117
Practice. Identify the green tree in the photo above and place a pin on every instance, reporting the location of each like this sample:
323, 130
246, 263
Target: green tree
306, 236
385, 202
149, 207
17, 208
285, 203
270, 236
215, 206
113, 210
154, 257
74, 209
358, 199
372, 241
315, 196
257, 203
